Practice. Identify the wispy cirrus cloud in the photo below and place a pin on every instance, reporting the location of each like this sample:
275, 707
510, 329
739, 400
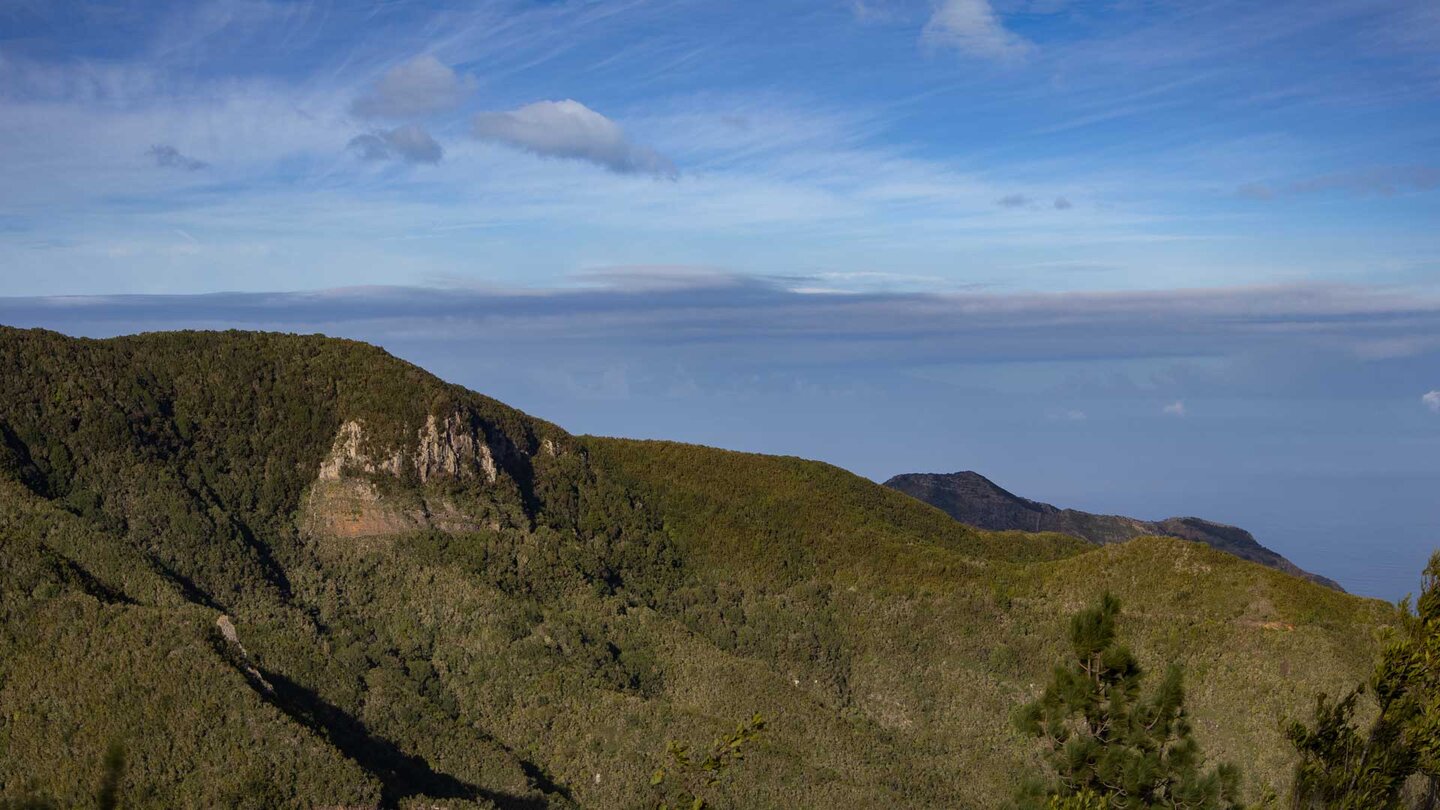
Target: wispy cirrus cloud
795, 170
1431, 400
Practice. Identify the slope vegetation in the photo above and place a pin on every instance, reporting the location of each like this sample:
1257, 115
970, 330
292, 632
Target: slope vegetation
295, 571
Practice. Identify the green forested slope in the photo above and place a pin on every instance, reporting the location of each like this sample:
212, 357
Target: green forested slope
467, 606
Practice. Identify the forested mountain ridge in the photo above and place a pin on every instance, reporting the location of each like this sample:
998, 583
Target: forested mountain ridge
295, 571
975, 500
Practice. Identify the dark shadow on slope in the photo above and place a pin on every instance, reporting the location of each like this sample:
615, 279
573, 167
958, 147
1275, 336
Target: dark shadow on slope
15, 461
205, 497
401, 775
522, 471
274, 572
71, 571
540, 778
188, 589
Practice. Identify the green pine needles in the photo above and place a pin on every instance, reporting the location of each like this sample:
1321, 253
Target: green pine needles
1109, 745
1394, 763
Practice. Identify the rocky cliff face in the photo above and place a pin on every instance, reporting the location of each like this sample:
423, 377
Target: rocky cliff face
973, 499
453, 447
352, 498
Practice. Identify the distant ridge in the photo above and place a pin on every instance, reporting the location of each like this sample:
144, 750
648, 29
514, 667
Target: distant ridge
973, 499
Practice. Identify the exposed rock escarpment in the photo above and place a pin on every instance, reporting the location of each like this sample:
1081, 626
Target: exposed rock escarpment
452, 448
358, 488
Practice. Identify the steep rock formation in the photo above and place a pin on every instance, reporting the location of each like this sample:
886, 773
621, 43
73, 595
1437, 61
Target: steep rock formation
349, 497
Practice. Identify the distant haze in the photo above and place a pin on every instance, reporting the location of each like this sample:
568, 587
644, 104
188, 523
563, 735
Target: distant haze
1291, 427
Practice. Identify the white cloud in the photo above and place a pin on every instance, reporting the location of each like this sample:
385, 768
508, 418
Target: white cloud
973, 27
409, 143
422, 86
569, 129
1432, 401
1176, 408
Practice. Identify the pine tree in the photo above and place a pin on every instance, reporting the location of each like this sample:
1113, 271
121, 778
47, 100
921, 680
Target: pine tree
1109, 746
1344, 768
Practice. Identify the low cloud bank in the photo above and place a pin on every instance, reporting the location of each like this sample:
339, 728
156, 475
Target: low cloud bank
766, 320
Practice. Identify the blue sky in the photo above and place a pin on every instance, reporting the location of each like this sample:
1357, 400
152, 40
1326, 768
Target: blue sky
1138, 256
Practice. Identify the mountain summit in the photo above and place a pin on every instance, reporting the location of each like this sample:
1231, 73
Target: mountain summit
973, 499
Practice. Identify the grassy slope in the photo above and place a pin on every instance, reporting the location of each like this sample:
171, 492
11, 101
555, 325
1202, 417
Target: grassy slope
637, 592
948, 628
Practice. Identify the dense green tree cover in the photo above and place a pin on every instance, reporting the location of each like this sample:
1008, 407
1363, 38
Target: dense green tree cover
1395, 761
1109, 743
163, 583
